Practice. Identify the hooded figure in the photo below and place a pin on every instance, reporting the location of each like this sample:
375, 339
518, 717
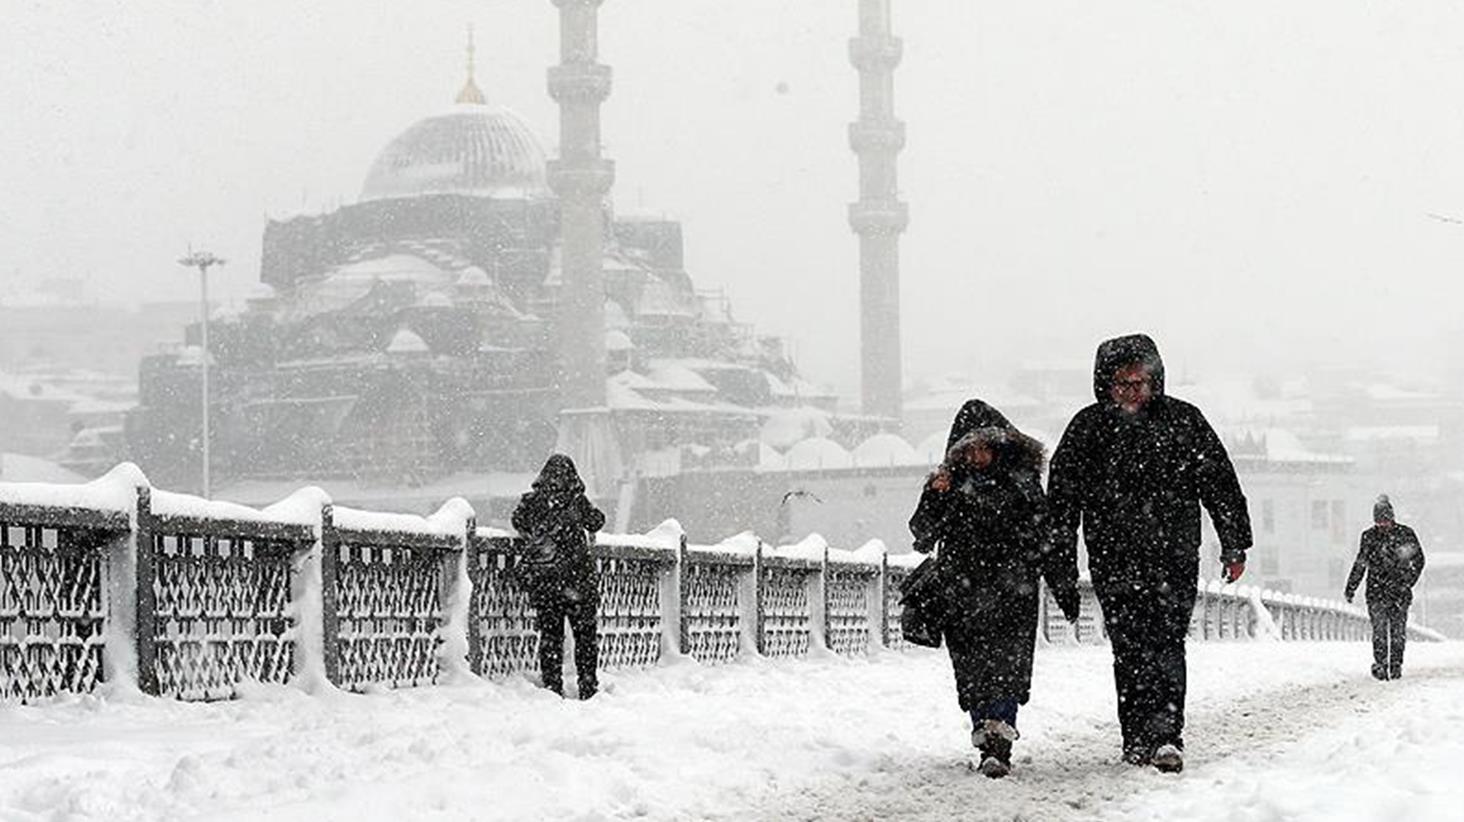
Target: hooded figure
556, 507
1391, 557
985, 510
1133, 469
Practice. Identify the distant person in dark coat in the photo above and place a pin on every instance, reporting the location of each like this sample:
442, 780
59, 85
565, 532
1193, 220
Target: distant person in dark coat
1133, 469
1391, 557
985, 509
556, 507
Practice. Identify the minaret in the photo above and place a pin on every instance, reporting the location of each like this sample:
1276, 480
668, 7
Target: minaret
879, 216
582, 178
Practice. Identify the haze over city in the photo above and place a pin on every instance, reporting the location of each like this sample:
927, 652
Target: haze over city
1251, 184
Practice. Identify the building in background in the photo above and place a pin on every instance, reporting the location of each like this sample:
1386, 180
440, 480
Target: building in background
406, 348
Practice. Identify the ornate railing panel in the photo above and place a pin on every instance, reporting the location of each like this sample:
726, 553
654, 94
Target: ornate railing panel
221, 608
630, 608
786, 619
504, 621
847, 592
711, 608
388, 610
52, 610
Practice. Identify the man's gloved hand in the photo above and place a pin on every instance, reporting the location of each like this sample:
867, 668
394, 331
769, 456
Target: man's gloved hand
1233, 570
1067, 600
1347, 595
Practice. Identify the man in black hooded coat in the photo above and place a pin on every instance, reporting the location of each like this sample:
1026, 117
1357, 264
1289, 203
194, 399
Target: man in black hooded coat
556, 507
1391, 557
1133, 469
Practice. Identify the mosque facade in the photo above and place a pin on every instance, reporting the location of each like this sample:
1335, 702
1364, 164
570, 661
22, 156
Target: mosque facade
417, 333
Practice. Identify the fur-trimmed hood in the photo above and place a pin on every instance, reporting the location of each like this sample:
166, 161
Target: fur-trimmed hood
1013, 450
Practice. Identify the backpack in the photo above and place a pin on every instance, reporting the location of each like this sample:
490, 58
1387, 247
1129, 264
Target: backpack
535, 558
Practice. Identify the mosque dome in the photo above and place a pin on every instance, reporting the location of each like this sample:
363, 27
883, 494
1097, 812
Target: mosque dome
473, 148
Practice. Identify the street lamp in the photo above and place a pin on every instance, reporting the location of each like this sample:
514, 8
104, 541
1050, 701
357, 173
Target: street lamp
201, 260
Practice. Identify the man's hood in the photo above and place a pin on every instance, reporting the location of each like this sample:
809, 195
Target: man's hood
1121, 351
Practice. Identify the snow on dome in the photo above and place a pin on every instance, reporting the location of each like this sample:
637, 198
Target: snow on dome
787, 426
618, 341
406, 342
474, 277
474, 149
932, 449
767, 457
818, 453
615, 316
885, 449
435, 299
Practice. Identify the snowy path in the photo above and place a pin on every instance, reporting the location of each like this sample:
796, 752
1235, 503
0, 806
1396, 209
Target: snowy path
1277, 731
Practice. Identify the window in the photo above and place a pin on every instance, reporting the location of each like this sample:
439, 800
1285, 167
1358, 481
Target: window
1270, 561
1319, 515
1268, 516
1339, 521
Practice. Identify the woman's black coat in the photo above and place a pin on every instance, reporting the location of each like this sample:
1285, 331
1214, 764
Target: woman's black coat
993, 547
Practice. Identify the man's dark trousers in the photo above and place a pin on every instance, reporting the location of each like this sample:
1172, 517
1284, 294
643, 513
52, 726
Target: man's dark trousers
1389, 635
1147, 627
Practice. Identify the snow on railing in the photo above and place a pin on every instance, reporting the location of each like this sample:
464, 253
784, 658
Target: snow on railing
173, 595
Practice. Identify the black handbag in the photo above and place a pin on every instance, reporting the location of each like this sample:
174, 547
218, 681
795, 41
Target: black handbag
922, 613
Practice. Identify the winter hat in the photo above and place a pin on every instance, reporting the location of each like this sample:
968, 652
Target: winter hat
1383, 509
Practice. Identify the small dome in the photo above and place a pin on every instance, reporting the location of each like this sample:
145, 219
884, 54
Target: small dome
817, 453
475, 149
407, 342
884, 450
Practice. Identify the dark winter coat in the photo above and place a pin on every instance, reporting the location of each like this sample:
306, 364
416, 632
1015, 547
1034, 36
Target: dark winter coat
1392, 560
1136, 483
556, 505
991, 529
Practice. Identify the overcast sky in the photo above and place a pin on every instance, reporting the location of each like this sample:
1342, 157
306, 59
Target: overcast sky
1249, 181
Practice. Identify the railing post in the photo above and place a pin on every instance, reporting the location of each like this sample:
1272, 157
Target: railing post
674, 603
884, 600
455, 615
760, 585
330, 623
818, 605
473, 554
145, 614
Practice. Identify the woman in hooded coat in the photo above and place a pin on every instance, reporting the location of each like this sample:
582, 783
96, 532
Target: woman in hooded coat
985, 509
556, 508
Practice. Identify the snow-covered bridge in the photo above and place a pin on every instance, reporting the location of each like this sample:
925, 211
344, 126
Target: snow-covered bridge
816, 710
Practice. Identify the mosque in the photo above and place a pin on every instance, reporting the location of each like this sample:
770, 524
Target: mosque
443, 332
412, 334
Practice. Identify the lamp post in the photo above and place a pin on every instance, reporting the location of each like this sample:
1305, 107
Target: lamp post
202, 260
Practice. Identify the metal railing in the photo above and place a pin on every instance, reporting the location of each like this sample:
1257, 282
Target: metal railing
192, 599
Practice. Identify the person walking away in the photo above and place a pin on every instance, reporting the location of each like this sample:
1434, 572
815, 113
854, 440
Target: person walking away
1133, 469
985, 509
1391, 557
556, 508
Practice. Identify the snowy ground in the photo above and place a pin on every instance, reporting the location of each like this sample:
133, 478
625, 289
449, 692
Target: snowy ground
1277, 731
